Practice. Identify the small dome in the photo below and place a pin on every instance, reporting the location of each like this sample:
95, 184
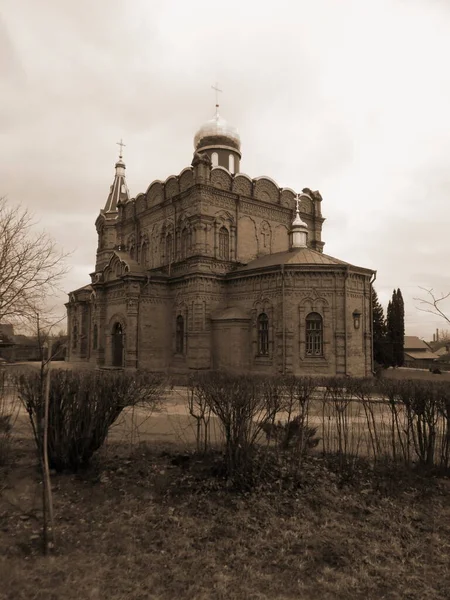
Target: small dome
217, 127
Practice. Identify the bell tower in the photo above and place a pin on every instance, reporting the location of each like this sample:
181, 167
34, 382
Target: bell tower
107, 219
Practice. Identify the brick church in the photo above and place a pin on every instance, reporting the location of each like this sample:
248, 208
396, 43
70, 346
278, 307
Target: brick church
211, 269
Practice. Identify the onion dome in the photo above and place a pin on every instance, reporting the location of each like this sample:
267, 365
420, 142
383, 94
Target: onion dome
217, 131
221, 142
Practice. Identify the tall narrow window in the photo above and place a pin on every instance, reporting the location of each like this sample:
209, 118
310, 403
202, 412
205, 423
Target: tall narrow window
263, 334
169, 246
179, 335
215, 159
184, 242
144, 254
314, 335
224, 244
231, 163
95, 337
74, 336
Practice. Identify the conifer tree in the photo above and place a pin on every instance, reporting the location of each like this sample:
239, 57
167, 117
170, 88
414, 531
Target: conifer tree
380, 353
396, 328
400, 321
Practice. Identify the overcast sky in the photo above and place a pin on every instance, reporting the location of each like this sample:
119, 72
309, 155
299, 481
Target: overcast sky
348, 97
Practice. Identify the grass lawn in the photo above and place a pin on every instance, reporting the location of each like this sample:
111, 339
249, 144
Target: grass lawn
136, 526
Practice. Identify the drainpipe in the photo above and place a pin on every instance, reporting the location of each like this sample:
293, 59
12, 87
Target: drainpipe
283, 323
345, 321
371, 320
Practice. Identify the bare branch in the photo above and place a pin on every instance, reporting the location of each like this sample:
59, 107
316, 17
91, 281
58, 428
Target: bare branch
31, 265
432, 304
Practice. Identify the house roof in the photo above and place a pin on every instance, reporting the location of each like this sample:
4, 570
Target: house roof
412, 342
299, 256
421, 355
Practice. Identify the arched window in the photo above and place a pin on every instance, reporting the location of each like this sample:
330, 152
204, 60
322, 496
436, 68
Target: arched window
314, 335
75, 336
132, 251
117, 340
224, 244
215, 159
263, 334
95, 337
179, 335
231, 163
169, 246
184, 242
144, 254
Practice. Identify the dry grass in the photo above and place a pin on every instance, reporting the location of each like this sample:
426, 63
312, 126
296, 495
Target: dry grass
135, 526
422, 374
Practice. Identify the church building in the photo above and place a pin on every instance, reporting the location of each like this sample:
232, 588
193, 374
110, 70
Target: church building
211, 269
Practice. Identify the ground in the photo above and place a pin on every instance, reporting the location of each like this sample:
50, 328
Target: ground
144, 523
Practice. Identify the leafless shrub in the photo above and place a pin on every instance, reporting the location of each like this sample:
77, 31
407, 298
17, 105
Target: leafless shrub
242, 404
82, 407
200, 410
8, 415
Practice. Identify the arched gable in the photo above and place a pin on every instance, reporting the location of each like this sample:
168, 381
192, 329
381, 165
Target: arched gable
171, 187
140, 203
242, 185
186, 179
223, 217
155, 193
287, 197
221, 178
266, 189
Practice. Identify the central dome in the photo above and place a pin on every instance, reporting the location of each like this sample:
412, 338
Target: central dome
216, 130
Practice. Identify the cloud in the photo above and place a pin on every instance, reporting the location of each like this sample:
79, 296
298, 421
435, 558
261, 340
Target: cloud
347, 97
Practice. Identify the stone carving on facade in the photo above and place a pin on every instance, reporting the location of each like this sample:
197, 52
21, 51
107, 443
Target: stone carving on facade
265, 237
242, 185
171, 187
186, 179
266, 190
221, 178
155, 193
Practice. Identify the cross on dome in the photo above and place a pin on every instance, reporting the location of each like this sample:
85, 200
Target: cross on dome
122, 145
217, 90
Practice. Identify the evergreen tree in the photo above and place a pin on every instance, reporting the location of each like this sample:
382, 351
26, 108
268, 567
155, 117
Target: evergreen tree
396, 328
380, 353
400, 338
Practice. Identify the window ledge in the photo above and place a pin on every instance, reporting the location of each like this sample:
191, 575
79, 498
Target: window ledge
263, 358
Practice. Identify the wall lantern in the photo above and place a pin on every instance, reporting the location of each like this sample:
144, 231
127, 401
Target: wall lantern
356, 318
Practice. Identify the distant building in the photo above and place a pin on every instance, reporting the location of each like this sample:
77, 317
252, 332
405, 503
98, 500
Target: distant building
418, 353
212, 269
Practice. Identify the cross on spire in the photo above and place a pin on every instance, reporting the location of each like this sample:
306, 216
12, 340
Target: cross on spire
297, 204
122, 145
217, 90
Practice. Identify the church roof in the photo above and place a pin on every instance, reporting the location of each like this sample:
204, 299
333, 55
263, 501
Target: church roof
299, 256
217, 127
118, 192
133, 266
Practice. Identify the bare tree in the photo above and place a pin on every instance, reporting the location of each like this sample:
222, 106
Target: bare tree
433, 304
31, 265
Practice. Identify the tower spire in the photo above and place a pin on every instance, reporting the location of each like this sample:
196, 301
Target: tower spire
118, 192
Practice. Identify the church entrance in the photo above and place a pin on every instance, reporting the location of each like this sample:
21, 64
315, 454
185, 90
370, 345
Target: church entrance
117, 345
